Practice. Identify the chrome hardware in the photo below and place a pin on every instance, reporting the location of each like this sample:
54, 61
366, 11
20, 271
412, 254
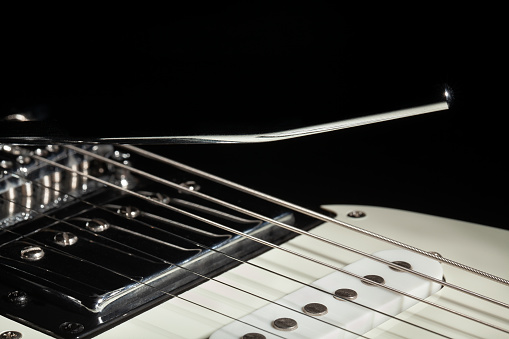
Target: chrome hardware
356, 214
345, 293
70, 327
65, 239
315, 309
11, 335
190, 185
129, 212
285, 324
18, 298
402, 264
32, 253
375, 278
97, 225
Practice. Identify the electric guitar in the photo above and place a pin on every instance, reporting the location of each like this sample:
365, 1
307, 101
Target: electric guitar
115, 241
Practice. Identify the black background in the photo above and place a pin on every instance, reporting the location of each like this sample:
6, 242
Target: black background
242, 67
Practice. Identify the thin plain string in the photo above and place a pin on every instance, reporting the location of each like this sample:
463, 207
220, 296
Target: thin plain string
288, 227
165, 262
301, 209
226, 255
174, 209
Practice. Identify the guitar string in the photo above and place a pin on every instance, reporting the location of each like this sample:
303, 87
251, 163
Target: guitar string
230, 257
183, 212
168, 263
291, 228
299, 209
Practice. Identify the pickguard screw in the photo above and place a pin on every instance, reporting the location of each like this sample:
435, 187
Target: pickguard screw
71, 327
11, 335
32, 253
19, 298
65, 239
129, 212
356, 214
97, 225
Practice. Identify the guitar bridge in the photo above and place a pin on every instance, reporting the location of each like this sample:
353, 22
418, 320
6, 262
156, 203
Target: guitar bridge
86, 244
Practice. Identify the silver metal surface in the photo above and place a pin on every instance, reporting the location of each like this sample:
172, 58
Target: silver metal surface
65, 239
345, 293
18, 298
291, 206
97, 225
32, 253
129, 212
315, 309
190, 185
285, 324
283, 135
372, 277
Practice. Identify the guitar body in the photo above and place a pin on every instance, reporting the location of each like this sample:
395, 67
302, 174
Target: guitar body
477, 246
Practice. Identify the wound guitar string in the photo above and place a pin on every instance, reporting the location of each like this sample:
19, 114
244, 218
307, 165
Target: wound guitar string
204, 276
253, 238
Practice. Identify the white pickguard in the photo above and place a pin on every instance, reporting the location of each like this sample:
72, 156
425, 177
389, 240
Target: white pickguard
482, 247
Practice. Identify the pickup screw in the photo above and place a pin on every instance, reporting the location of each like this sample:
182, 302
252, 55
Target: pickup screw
65, 239
18, 298
71, 327
129, 212
11, 335
32, 253
97, 225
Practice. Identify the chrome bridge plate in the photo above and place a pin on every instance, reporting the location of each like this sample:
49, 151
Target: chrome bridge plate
78, 256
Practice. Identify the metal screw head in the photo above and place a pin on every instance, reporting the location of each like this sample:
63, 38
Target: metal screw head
97, 225
18, 298
190, 185
11, 335
375, 278
345, 293
6, 164
285, 324
315, 309
129, 212
65, 239
32, 253
253, 336
71, 327
356, 214
160, 197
